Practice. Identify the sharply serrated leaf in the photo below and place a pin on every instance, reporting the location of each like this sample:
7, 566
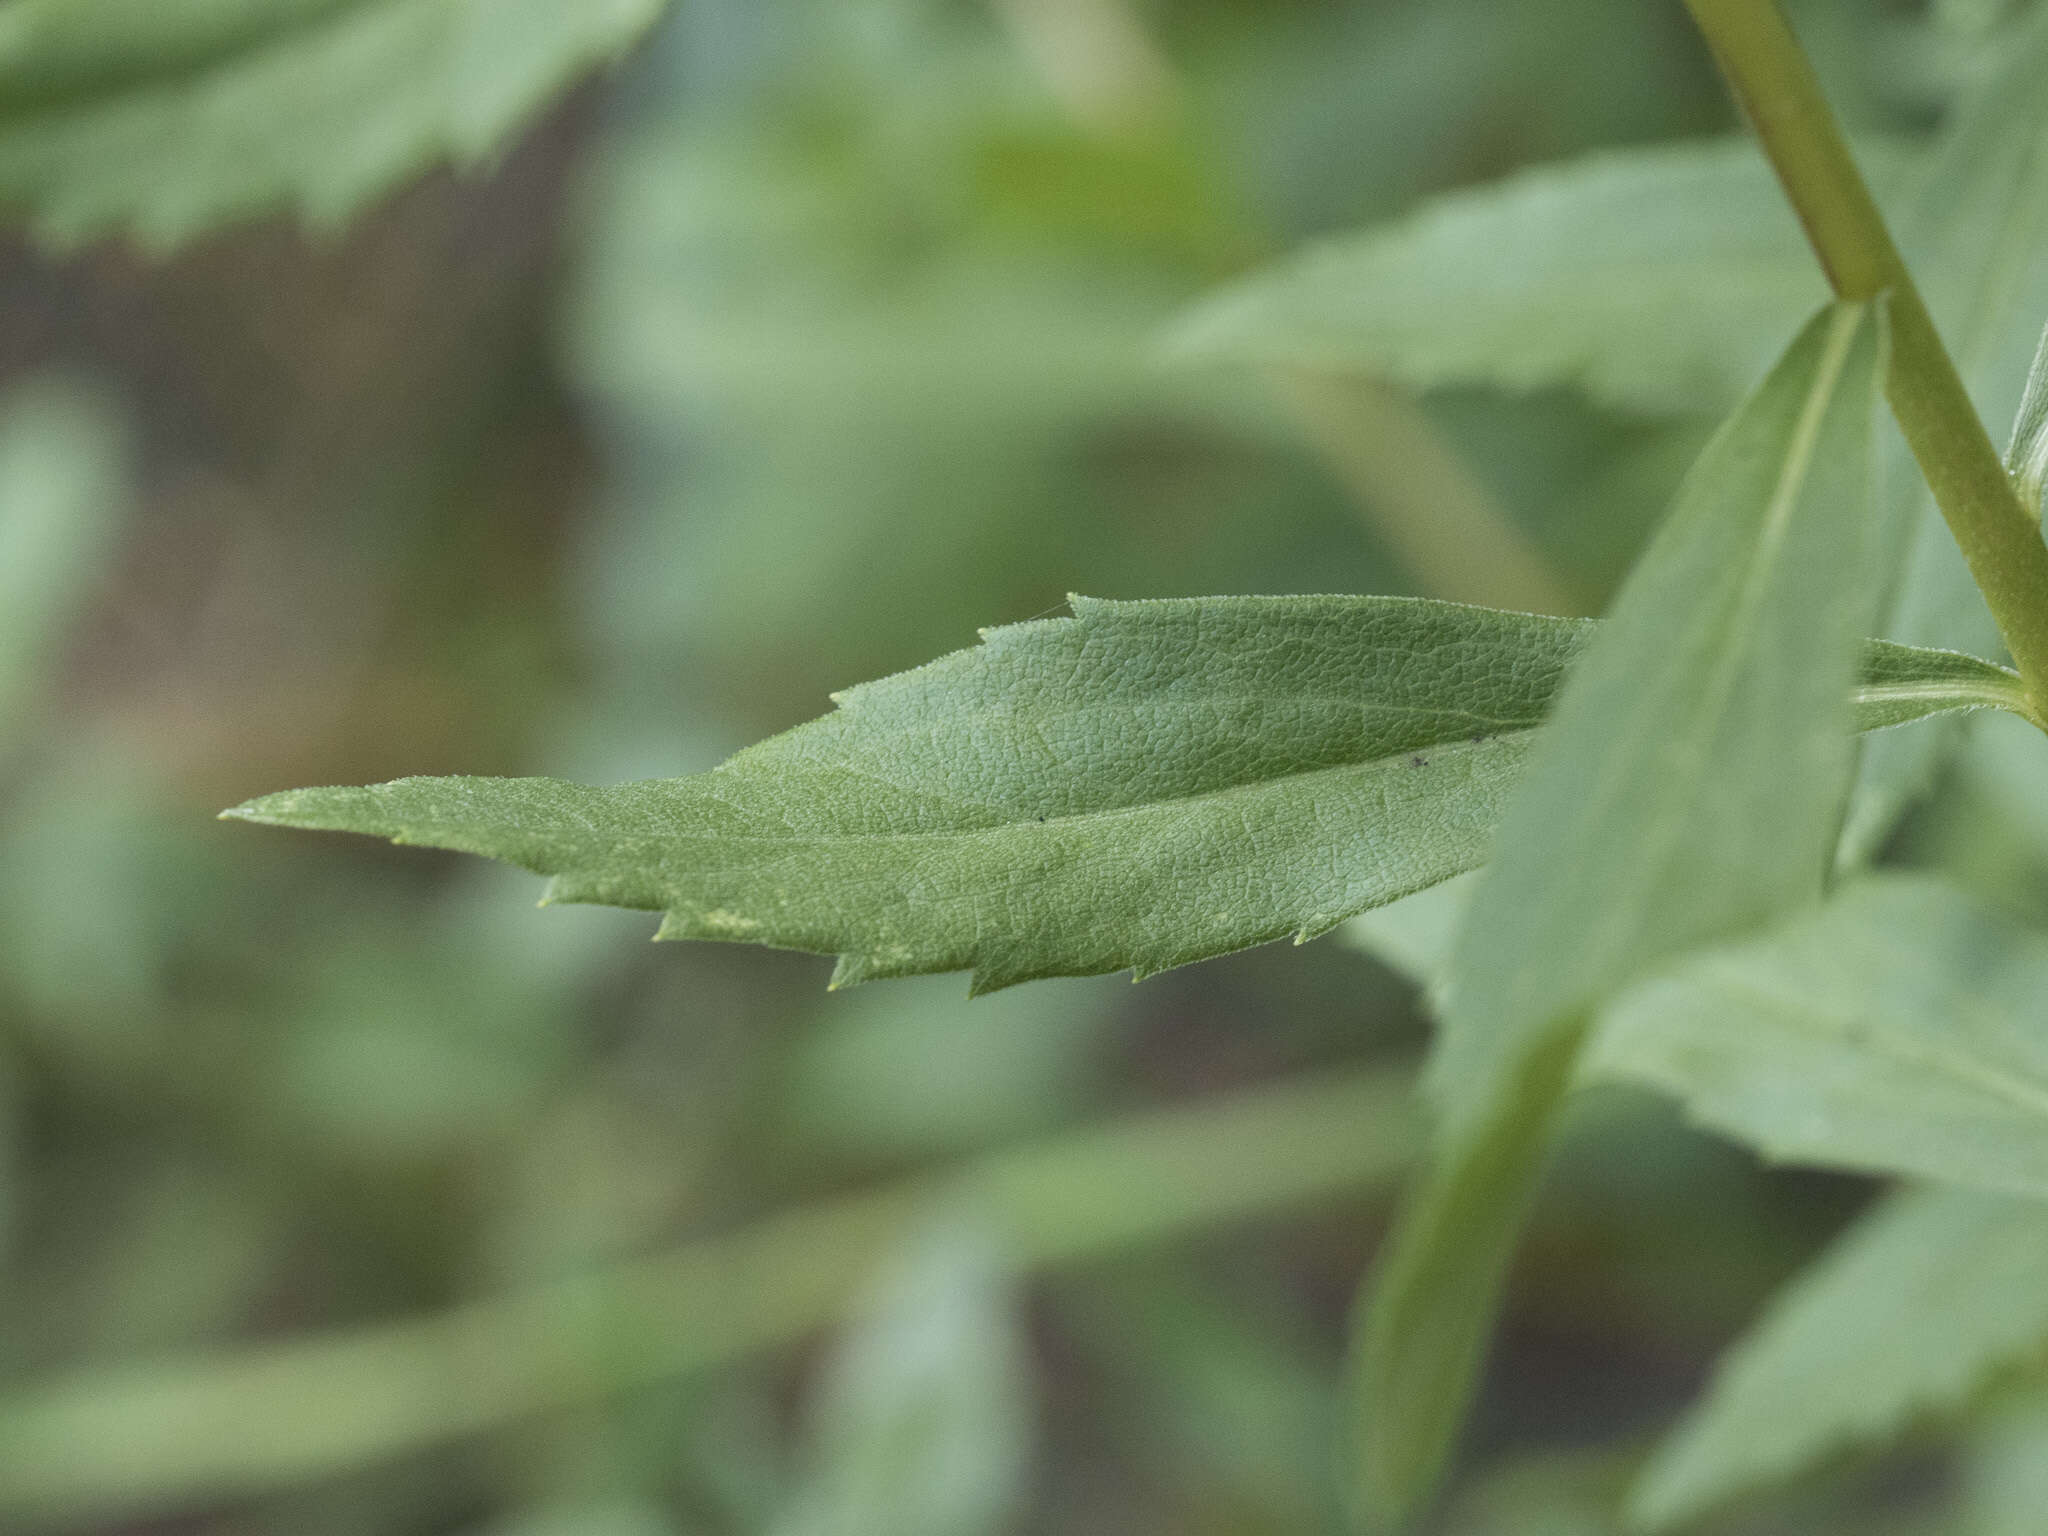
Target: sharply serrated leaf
1913, 1311
1658, 279
169, 119
1898, 1029
1139, 786
1687, 791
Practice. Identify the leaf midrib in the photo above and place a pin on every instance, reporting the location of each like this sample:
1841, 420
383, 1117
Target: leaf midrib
1009, 820
1019, 822
1980, 692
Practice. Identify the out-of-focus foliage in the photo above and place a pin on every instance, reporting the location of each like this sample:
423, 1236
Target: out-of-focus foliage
1654, 280
343, 1193
1924, 1302
1895, 1031
921, 1423
165, 118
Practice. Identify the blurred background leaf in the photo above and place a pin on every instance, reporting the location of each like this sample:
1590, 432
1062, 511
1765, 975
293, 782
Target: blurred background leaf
166, 120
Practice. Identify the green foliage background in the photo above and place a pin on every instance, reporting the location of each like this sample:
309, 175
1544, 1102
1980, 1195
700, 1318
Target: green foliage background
342, 1192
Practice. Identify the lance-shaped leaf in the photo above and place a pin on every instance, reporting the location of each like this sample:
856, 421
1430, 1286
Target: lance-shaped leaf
1918, 1307
1898, 1029
1139, 786
166, 120
1687, 790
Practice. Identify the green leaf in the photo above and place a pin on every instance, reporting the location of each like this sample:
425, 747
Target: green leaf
1898, 1029
1660, 278
167, 118
1140, 786
1657, 279
1687, 791
1904, 683
1913, 1311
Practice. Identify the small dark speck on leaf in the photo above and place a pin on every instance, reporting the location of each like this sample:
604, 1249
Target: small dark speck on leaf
1419, 760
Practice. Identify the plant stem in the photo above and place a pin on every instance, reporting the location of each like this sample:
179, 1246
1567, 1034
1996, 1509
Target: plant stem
2000, 538
152, 1439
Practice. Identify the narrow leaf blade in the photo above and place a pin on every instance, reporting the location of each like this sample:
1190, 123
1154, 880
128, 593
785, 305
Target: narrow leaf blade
1686, 791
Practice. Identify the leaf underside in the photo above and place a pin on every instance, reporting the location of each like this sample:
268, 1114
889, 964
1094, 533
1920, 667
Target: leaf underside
1139, 786
167, 120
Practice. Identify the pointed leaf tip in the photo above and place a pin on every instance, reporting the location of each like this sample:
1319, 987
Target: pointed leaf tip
980, 813
1136, 787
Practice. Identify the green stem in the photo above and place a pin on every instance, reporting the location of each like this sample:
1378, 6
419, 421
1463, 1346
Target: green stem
2000, 538
152, 1439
